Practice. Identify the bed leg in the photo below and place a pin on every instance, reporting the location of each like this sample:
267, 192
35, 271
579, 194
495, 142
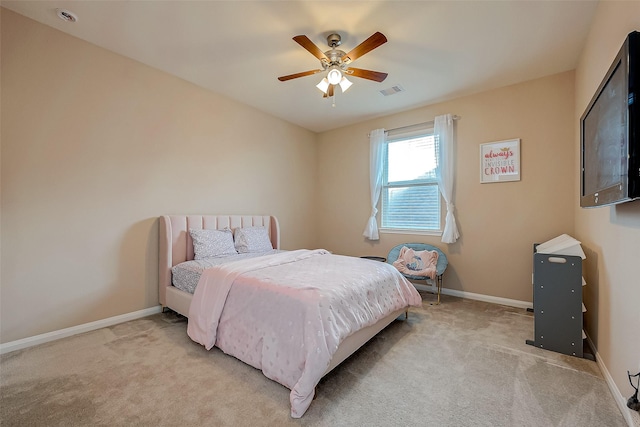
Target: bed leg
406, 314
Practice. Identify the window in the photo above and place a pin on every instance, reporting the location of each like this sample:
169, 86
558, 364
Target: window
410, 194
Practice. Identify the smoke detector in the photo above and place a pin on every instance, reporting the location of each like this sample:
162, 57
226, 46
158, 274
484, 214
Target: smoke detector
66, 15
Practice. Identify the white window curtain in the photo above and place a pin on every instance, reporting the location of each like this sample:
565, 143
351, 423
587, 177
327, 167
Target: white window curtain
376, 145
445, 172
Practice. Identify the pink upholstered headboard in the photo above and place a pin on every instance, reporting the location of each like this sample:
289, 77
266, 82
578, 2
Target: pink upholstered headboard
176, 246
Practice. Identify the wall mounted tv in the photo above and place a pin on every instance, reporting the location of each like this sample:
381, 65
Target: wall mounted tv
610, 133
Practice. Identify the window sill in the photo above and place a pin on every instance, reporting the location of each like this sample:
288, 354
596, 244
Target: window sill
413, 232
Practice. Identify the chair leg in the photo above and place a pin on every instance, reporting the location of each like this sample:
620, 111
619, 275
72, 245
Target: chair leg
438, 288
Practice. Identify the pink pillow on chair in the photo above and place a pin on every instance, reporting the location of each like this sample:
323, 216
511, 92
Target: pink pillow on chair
417, 263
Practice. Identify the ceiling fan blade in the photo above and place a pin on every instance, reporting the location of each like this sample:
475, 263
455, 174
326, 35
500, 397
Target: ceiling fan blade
368, 45
376, 76
329, 92
311, 47
296, 75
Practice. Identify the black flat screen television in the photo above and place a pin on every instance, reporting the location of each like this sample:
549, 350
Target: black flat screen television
610, 133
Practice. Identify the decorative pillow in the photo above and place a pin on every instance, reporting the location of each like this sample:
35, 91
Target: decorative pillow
417, 263
252, 239
212, 243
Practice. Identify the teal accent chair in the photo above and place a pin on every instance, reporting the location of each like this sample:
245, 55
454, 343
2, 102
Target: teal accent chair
441, 266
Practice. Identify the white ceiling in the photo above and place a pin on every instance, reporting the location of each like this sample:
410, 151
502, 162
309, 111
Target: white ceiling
436, 50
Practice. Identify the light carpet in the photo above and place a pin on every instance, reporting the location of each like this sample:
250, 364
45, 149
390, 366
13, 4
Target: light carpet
461, 363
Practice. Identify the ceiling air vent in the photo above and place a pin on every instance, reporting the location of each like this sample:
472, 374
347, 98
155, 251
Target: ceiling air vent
392, 90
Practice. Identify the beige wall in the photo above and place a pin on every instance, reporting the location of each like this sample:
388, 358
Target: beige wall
498, 222
94, 148
611, 235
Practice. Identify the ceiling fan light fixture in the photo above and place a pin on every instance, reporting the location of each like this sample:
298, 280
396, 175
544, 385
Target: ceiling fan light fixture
334, 76
323, 85
345, 84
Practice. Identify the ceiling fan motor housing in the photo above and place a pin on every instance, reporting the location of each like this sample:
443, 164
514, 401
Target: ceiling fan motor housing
334, 55
335, 59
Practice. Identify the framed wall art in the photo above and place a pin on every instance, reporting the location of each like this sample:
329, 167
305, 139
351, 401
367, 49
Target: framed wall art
500, 161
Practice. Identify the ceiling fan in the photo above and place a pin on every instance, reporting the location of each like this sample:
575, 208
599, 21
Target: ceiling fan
337, 62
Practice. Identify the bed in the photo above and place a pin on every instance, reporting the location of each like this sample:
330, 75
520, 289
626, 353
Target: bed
318, 325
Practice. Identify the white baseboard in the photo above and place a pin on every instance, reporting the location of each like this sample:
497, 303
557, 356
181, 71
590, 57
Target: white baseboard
55, 335
477, 297
74, 330
621, 401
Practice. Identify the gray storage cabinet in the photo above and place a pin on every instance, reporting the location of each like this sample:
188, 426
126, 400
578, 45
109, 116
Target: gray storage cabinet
557, 303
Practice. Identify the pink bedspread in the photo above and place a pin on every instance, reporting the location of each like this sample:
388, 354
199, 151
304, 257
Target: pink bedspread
287, 313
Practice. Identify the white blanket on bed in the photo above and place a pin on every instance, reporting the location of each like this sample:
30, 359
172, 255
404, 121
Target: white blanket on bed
288, 321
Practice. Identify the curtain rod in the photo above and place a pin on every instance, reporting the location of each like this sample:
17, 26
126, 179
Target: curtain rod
414, 125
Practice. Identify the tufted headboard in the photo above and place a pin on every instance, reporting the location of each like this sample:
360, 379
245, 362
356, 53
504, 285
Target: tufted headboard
176, 246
